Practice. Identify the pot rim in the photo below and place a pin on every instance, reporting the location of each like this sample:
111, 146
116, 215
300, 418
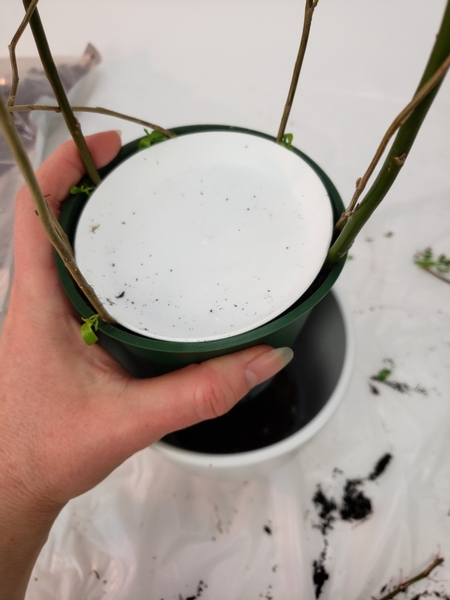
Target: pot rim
209, 236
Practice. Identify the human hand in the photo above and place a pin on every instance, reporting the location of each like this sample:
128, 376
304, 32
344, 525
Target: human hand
69, 413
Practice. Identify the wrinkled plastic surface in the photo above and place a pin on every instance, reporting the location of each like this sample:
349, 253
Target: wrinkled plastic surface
33, 89
152, 531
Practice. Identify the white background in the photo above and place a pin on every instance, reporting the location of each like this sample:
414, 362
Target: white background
147, 530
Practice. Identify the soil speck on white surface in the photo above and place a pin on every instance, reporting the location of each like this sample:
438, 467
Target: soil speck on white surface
354, 505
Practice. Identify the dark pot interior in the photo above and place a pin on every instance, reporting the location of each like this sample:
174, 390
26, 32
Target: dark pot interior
290, 401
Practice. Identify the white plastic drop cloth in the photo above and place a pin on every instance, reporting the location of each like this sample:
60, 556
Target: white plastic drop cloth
152, 531
34, 89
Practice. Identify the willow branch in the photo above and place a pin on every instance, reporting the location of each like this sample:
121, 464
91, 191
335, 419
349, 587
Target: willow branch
309, 11
12, 52
60, 94
401, 118
88, 109
398, 153
404, 586
54, 232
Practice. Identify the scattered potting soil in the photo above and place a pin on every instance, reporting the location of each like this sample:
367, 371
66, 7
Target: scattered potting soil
380, 467
268, 594
320, 574
267, 529
384, 377
373, 389
327, 510
354, 505
403, 388
201, 586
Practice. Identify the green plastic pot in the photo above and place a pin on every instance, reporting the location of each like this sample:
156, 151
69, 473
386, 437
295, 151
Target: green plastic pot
145, 356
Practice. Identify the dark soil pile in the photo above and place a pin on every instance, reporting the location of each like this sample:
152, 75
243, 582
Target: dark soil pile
380, 467
354, 505
320, 574
327, 508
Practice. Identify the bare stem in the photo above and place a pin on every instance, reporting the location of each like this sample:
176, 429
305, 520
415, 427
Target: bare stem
54, 232
435, 273
12, 52
404, 586
60, 94
401, 118
404, 140
88, 109
309, 11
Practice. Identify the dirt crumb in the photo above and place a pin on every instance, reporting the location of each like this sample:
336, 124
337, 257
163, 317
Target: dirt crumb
380, 467
320, 574
327, 508
355, 504
201, 586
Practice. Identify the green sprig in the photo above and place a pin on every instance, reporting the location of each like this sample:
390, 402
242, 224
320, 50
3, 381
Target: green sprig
287, 140
382, 375
151, 138
87, 330
82, 189
426, 260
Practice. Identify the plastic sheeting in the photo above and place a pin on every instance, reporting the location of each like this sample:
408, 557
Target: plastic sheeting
33, 89
153, 530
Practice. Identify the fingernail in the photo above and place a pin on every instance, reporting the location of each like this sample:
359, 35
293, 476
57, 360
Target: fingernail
119, 133
266, 365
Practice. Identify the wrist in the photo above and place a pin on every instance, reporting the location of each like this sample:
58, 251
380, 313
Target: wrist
25, 524
22, 536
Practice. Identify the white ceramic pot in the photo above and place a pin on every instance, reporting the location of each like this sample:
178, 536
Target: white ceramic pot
319, 376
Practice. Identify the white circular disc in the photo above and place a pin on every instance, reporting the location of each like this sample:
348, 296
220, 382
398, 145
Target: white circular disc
205, 236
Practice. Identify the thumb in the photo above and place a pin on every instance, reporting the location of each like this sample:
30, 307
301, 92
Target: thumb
196, 393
